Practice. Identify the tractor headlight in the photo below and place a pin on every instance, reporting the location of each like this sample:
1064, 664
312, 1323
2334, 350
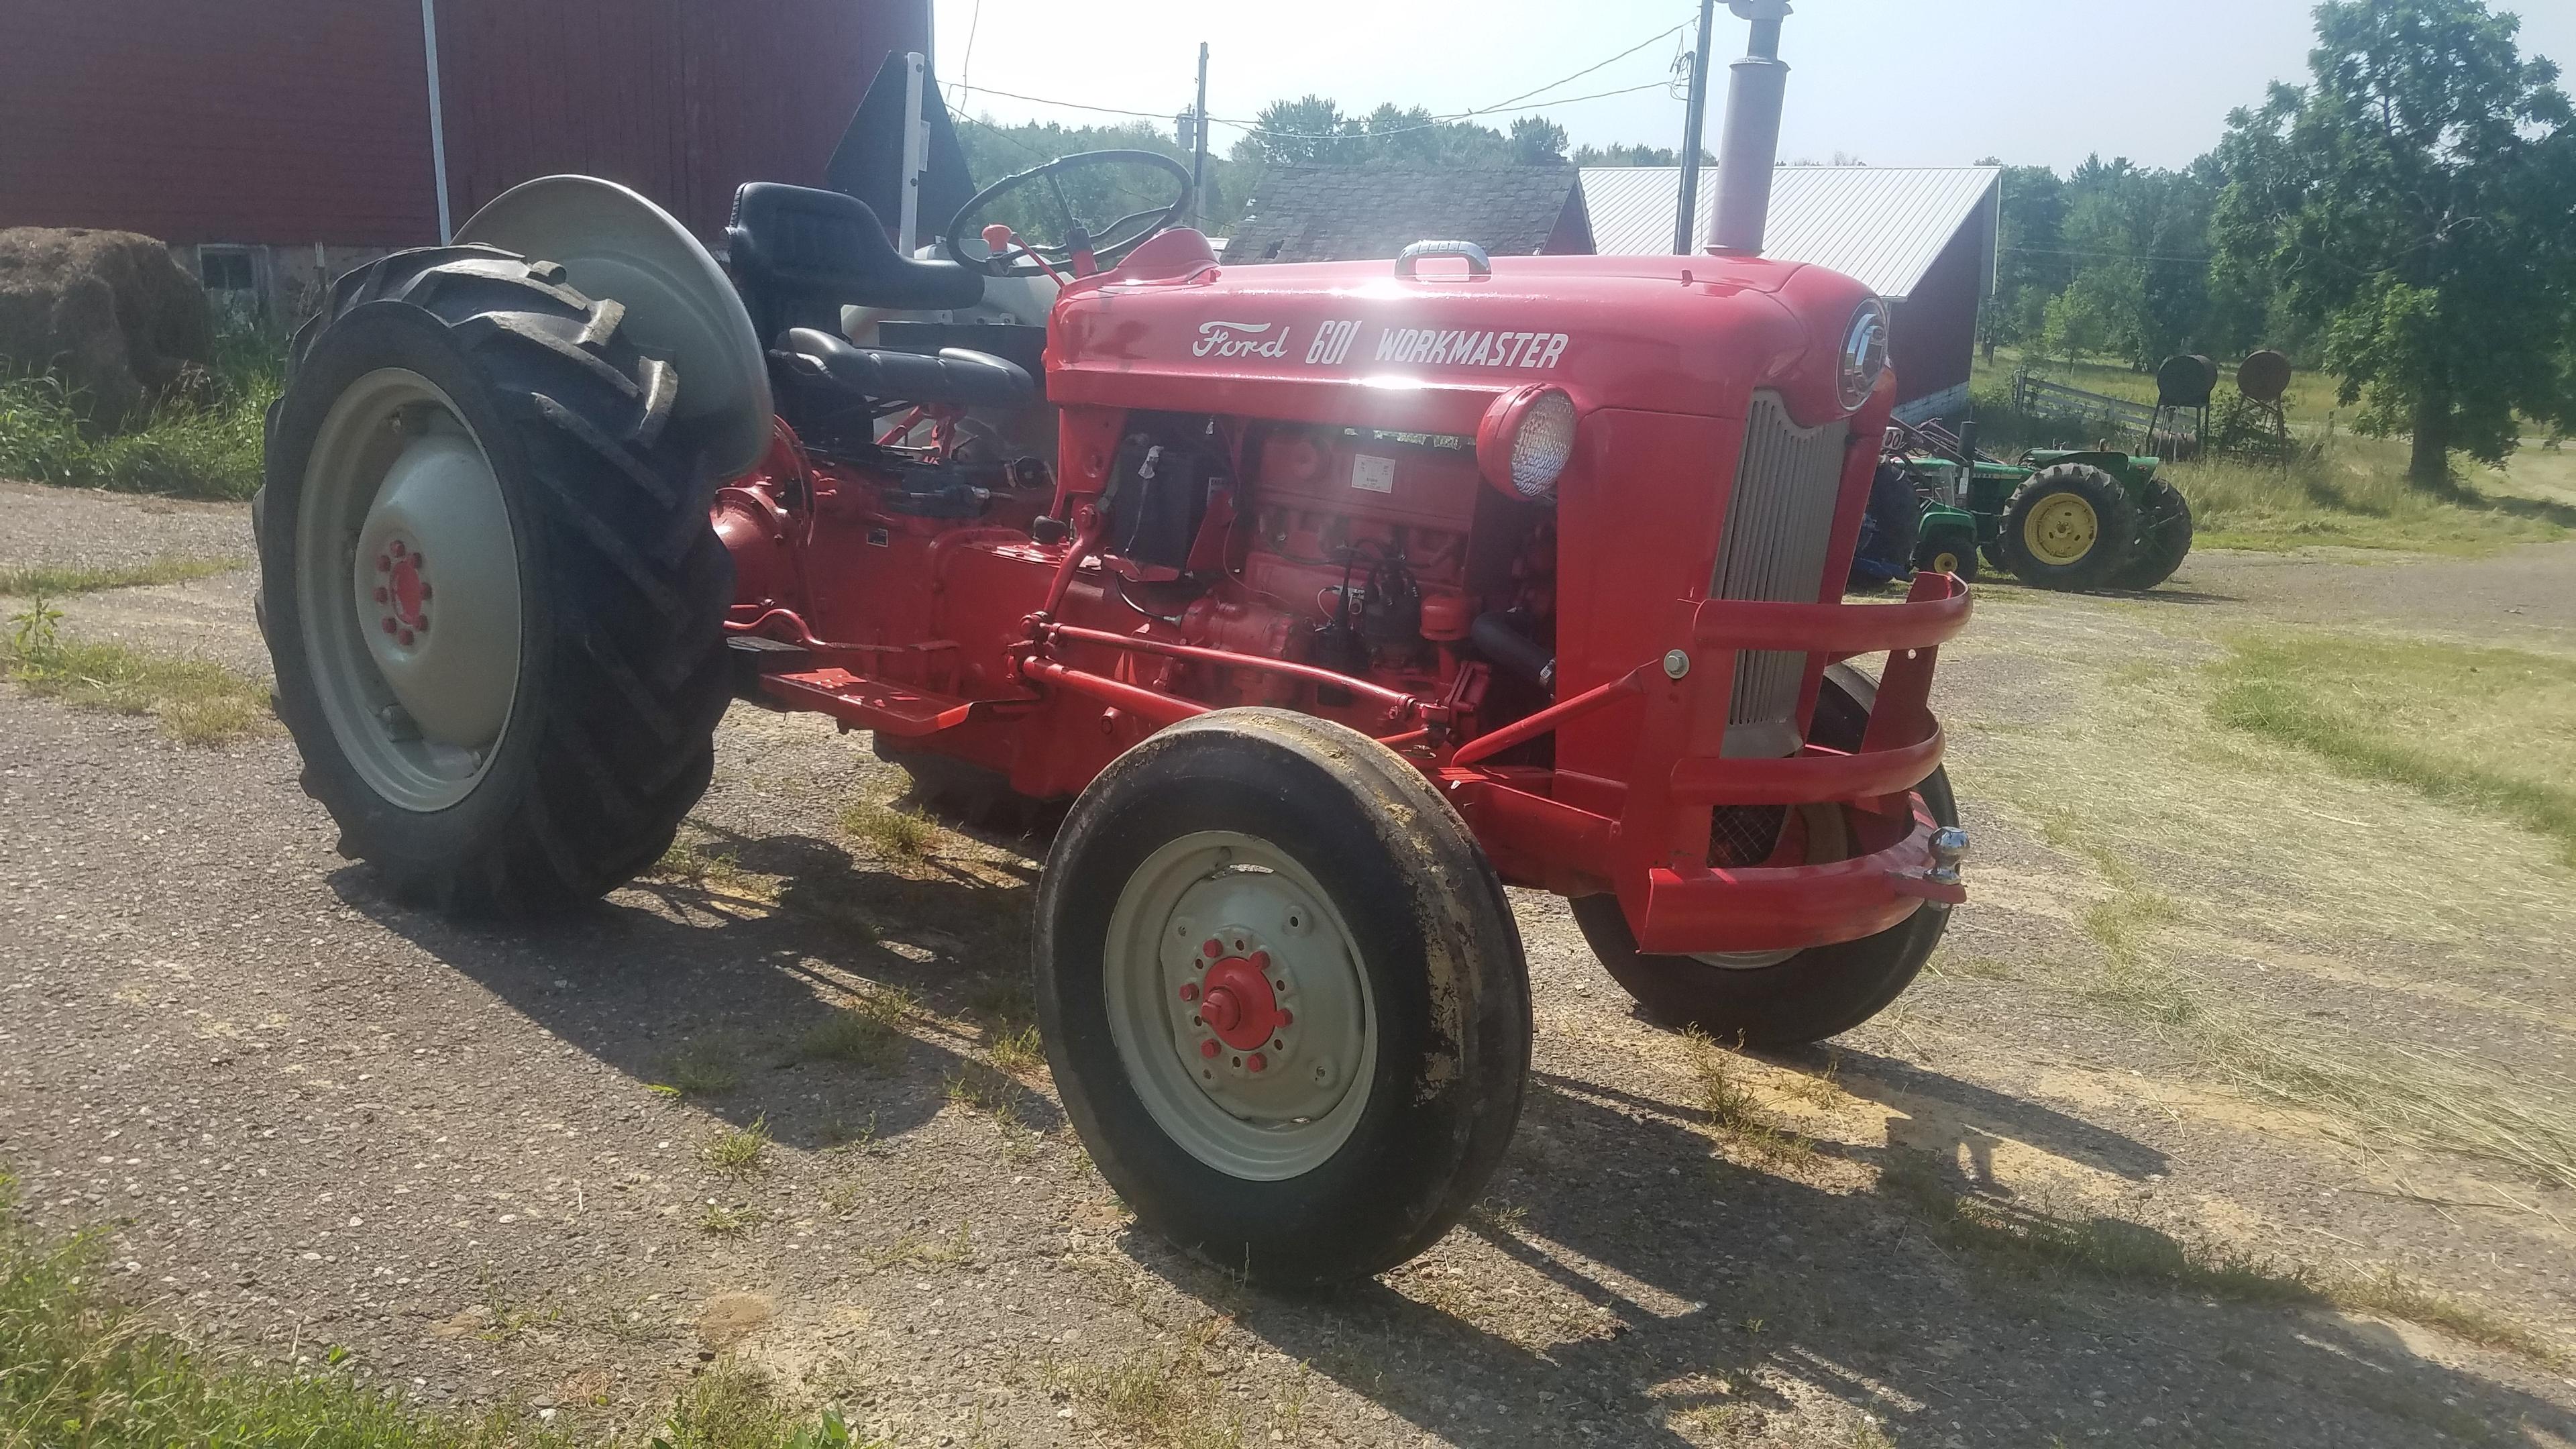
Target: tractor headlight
1526, 439
1864, 353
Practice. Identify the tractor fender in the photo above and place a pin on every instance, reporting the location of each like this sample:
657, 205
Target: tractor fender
614, 244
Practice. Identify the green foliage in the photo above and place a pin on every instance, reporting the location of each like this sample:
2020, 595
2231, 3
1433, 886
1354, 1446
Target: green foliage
1312, 130
203, 445
194, 700
2411, 201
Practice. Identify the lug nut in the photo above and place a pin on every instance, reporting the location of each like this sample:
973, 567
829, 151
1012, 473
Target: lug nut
390, 626
422, 623
1189, 991
406, 637
1208, 1048
398, 548
1256, 1063
381, 596
384, 565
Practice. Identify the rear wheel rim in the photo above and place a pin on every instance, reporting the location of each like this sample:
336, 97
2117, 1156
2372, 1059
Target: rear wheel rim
1239, 1007
2061, 530
407, 581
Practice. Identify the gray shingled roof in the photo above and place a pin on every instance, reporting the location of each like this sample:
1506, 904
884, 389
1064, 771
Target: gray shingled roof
1340, 213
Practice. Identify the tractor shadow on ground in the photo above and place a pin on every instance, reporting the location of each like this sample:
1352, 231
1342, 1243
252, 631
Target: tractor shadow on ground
1692, 1290
719, 996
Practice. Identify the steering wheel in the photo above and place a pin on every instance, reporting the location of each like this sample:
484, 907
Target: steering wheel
1106, 244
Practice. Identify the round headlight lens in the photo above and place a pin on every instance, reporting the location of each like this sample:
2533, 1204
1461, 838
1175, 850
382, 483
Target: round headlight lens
1864, 353
1543, 445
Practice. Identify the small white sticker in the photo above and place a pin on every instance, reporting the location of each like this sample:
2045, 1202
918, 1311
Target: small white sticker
1377, 475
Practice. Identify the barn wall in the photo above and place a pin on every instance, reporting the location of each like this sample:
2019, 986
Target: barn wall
297, 123
283, 121
681, 99
1933, 332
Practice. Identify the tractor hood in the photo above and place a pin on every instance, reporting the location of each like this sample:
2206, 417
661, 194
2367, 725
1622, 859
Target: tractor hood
1356, 343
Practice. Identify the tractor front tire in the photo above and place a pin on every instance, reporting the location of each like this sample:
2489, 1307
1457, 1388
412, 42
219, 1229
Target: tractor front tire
1813, 994
1283, 996
1949, 548
489, 583
2163, 539
2067, 527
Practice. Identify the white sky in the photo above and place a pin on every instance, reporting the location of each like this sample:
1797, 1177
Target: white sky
1894, 82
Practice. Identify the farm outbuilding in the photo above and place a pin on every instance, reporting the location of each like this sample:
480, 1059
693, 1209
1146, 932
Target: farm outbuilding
276, 142
1923, 237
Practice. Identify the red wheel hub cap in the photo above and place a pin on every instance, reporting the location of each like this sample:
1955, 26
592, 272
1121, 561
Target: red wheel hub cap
1238, 1004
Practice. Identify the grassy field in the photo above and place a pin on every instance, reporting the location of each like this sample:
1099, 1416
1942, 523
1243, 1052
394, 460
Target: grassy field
184, 450
80, 1368
2490, 729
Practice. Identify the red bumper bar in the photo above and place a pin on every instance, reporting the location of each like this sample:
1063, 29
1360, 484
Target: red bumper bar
1658, 840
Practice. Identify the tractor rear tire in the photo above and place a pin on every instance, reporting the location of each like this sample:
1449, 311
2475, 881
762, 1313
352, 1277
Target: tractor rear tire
2067, 527
1816, 993
1367, 1074
1949, 549
527, 734
2163, 539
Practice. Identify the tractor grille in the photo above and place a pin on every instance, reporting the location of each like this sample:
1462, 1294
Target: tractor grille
1779, 524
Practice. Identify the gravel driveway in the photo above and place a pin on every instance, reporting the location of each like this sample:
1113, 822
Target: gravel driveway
319, 1119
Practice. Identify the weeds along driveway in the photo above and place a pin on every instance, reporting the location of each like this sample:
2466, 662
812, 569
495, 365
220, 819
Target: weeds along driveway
530, 1163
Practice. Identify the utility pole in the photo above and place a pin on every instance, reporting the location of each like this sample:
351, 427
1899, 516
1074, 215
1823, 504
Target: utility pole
1198, 146
1693, 123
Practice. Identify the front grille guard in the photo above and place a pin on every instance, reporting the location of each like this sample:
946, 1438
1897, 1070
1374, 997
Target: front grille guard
1656, 845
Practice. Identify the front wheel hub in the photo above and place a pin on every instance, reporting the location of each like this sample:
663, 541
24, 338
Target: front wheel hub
1254, 1048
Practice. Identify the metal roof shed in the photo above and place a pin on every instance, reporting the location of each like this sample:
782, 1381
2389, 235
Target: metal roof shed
1923, 237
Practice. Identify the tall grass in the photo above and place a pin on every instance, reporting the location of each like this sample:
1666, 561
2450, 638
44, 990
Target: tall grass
181, 448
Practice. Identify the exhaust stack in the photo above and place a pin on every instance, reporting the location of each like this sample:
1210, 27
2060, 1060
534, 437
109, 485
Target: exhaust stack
1755, 86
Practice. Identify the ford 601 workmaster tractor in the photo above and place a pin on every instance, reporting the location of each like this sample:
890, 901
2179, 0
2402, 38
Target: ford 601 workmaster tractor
1347, 595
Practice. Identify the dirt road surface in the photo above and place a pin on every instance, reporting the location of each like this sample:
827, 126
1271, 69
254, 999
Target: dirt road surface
317, 1119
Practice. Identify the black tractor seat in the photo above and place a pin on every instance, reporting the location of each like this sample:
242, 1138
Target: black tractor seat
817, 359
799, 256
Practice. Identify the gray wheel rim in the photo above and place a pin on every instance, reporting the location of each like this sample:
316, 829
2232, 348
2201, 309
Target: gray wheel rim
407, 580
1262, 1112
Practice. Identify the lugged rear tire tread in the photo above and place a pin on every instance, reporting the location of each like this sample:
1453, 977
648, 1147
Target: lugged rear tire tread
636, 676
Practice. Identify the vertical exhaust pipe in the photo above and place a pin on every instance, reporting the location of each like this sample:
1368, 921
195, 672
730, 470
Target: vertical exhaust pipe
1755, 86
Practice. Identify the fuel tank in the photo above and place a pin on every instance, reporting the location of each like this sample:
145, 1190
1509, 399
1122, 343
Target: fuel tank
1359, 343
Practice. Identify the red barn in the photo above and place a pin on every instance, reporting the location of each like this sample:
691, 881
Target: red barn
274, 143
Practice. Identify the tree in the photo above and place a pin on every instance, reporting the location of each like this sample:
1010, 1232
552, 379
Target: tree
2412, 201
1537, 141
1307, 131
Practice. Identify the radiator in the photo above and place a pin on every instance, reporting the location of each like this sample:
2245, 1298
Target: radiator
1779, 526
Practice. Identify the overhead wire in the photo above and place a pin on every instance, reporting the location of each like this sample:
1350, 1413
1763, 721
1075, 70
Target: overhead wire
1254, 126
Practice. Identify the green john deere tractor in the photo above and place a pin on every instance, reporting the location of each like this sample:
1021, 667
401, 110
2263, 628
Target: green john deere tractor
2060, 518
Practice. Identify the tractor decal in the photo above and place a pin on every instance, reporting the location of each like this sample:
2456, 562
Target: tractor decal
1538, 350
1239, 339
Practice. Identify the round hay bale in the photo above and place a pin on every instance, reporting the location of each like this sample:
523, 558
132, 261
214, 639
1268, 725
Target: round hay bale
110, 313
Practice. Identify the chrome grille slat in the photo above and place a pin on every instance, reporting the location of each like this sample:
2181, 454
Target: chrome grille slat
1779, 525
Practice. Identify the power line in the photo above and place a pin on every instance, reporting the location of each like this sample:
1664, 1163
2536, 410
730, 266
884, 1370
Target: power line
1255, 127
2114, 256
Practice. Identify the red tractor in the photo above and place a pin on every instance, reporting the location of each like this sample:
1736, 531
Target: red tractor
1347, 595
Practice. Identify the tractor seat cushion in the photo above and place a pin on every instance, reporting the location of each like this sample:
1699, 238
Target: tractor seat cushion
955, 375
808, 250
